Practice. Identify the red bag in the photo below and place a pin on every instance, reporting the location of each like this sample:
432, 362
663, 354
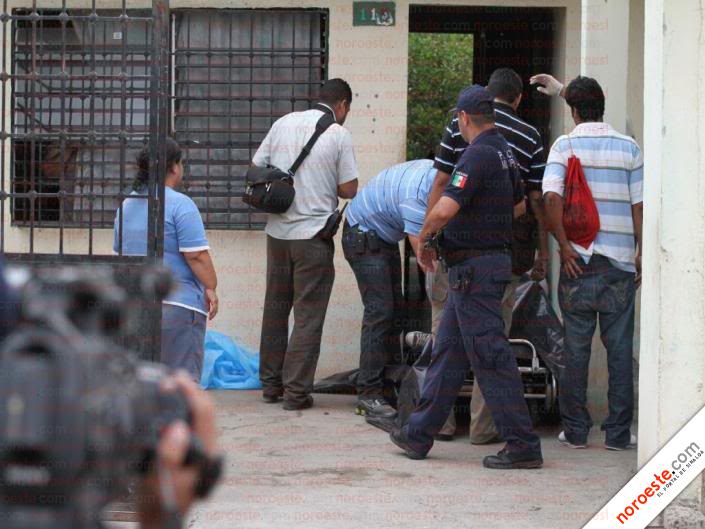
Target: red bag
581, 220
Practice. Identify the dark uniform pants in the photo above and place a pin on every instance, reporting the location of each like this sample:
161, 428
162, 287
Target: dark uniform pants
471, 335
300, 275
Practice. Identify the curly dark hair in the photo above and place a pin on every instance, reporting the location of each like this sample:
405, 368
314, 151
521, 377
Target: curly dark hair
585, 96
173, 156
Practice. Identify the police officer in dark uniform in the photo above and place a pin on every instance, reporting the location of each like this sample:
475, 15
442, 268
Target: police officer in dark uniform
476, 211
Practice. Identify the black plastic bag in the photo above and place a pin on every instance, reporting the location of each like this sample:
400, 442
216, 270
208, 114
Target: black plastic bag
535, 320
410, 383
344, 383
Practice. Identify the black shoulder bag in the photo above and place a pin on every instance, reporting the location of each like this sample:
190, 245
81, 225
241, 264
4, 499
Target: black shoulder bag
270, 189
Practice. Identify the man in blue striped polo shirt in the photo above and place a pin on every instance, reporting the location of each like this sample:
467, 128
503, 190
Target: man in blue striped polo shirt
598, 281
391, 206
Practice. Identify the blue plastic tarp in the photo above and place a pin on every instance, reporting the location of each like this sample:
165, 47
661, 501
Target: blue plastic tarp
228, 365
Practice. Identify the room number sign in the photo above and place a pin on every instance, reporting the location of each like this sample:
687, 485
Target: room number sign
374, 13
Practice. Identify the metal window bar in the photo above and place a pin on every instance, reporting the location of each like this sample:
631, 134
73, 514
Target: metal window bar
81, 108
80, 112
82, 91
235, 72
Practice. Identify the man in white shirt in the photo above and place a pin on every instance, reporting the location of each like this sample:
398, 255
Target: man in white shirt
300, 268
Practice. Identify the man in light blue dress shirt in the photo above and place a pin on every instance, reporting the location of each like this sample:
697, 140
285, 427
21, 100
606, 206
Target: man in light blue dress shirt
391, 207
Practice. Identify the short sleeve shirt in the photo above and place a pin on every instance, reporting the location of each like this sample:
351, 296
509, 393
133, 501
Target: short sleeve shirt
394, 202
330, 163
524, 140
486, 185
614, 170
183, 232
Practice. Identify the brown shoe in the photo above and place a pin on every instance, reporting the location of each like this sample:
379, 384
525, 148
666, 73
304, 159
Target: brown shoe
271, 396
298, 405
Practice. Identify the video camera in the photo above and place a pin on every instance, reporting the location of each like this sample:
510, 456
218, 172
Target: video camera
80, 416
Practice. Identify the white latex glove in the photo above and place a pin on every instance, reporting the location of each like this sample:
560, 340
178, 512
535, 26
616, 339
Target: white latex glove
551, 85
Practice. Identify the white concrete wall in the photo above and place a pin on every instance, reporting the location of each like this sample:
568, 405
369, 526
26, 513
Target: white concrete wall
635, 74
635, 119
672, 386
606, 52
374, 61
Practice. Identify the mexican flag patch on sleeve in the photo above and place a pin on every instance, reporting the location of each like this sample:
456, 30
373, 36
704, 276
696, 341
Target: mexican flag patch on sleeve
459, 179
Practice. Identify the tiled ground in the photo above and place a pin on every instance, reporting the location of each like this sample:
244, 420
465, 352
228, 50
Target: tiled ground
326, 468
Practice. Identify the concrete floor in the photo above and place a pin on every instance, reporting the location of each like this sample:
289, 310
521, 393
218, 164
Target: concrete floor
326, 468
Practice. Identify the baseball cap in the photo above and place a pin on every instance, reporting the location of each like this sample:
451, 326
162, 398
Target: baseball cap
475, 99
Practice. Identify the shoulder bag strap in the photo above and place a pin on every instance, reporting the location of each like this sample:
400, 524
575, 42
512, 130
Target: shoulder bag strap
325, 121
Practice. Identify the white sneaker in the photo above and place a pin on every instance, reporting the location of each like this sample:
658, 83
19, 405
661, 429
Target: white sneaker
632, 444
562, 439
417, 339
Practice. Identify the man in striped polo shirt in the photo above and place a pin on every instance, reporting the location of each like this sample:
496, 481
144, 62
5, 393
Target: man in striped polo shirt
506, 87
599, 281
390, 207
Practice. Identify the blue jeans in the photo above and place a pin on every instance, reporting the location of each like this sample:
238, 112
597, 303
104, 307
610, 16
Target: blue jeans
378, 274
471, 334
605, 292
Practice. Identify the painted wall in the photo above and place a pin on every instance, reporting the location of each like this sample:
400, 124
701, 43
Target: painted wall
635, 73
672, 383
374, 61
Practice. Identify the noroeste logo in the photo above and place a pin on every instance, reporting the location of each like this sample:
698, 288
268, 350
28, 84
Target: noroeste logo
663, 481
658, 482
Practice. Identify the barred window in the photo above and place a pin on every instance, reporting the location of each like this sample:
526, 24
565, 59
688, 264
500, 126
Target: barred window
80, 100
81, 105
236, 72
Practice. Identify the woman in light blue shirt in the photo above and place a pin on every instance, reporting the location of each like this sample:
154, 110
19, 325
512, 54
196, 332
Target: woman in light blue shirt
193, 299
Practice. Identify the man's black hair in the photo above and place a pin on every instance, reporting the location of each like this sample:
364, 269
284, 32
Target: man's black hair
334, 90
483, 114
505, 84
482, 119
585, 96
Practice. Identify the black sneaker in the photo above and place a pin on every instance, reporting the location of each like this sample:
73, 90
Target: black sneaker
632, 444
298, 405
445, 437
377, 407
505, 460
399, 438
386, 424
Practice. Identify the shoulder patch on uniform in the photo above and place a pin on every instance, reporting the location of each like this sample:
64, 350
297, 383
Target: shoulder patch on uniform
459, 179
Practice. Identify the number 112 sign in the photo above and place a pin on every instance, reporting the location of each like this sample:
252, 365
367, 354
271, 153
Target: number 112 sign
373, 13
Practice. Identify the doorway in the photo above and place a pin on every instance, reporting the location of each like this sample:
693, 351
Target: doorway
440, 65
480, 40
451, 47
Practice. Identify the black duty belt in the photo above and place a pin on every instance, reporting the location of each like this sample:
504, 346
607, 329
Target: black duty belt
455, 257
367, 241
